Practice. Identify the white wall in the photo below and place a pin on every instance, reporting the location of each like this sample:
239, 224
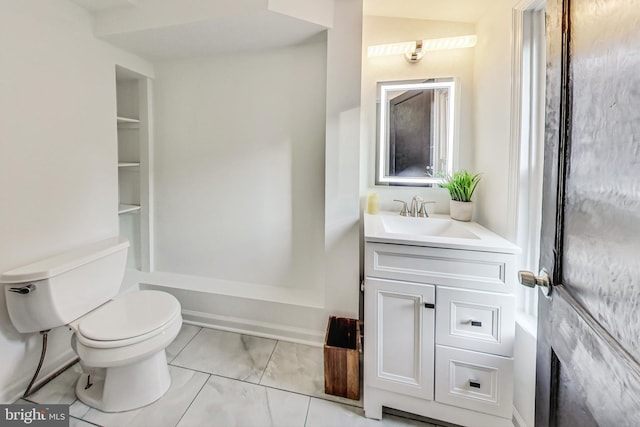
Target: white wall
58, 175
342, 218
239, 171
492, 107
456, 63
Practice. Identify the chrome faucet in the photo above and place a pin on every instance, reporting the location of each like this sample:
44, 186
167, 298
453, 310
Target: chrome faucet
418, 208
416, 203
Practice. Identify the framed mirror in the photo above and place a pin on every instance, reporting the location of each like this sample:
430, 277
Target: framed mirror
415, 132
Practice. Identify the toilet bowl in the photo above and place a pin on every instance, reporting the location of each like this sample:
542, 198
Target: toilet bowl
120, 342
121, 345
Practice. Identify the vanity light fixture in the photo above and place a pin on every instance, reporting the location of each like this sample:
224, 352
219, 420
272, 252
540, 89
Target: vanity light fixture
414, 50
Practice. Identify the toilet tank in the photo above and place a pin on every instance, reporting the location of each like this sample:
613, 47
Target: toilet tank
57, 290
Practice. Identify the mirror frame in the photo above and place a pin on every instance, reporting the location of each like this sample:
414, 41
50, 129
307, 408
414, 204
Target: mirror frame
382, 149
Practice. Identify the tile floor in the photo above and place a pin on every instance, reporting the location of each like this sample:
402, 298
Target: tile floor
227, 379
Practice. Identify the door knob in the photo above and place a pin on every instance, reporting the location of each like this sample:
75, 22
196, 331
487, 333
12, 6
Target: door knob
530, 280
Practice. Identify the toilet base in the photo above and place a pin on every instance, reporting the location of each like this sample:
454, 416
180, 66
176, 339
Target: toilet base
123, 388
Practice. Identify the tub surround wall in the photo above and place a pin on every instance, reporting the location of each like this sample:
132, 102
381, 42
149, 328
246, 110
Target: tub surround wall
58, 163
256, 187
239, 187
239, 175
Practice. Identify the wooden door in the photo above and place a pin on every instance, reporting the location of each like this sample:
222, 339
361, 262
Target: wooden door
589, 326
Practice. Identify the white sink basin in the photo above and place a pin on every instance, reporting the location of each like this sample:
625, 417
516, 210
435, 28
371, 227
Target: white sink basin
437, 231
425, 227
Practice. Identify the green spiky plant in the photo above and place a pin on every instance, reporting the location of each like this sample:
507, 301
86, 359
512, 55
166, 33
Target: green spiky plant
461, 185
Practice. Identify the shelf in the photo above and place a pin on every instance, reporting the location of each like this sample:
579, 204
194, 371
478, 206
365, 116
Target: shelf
134, 148
127, 208
127, 120
127, 123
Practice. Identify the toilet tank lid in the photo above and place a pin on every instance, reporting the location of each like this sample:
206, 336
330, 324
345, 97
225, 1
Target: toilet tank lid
66, 261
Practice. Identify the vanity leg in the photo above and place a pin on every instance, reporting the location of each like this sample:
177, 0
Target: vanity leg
372, 409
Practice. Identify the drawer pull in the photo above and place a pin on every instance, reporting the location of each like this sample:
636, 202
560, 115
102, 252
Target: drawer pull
473, 323
429, 305
474, 384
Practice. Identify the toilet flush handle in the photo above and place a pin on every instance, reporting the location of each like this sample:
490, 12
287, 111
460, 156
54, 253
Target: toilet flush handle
24, 289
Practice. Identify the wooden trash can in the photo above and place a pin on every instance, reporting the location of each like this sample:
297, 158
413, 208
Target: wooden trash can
342, 358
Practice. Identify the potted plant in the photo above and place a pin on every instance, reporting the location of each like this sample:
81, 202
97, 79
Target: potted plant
461, 186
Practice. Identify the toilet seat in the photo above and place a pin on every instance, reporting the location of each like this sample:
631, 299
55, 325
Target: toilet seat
128, 320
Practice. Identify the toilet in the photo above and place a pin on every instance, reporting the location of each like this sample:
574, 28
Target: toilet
120, 342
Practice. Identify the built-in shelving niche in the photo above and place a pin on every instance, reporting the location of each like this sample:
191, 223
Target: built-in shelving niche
134, 166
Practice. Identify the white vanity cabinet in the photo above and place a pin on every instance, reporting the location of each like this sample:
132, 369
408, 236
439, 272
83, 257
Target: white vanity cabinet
439, 328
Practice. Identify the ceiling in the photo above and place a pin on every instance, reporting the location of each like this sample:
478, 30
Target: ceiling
437, 10
98, 5
259, 29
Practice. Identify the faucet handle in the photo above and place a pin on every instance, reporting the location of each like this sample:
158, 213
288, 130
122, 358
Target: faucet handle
404, 211
423, 210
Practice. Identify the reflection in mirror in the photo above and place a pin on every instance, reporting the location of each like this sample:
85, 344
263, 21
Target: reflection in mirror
415, 132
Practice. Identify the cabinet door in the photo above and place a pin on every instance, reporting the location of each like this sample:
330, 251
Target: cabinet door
399, 337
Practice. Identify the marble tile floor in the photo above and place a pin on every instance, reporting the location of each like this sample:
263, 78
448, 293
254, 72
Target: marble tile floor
228, 379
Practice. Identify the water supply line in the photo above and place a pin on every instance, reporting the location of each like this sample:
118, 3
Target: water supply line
44, 352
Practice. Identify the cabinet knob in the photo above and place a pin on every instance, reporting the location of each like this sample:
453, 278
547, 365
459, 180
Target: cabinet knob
429, 305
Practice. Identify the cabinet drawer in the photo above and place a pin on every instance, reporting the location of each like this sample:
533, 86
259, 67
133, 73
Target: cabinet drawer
476, 381
437, 266
474, 320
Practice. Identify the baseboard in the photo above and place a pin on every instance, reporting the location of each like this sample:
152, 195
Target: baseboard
253, 327
15, 391
517, 419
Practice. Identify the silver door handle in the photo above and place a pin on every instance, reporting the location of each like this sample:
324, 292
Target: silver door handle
530, 280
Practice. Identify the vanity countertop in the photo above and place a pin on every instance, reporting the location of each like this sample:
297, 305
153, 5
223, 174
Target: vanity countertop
436, 231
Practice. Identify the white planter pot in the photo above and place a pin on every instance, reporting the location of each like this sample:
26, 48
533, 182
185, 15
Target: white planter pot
461, 211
